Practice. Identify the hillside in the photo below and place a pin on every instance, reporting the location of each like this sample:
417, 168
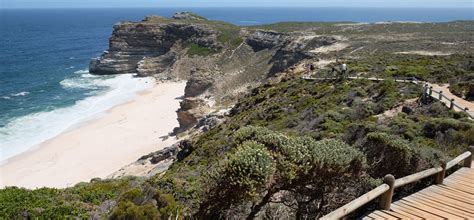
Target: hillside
283, 147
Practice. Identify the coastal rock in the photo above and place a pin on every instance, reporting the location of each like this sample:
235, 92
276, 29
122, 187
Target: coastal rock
155, 162
209, 121
260, 40
219, 61
133, 42
149, 66
187, 16
191, 110
199, 82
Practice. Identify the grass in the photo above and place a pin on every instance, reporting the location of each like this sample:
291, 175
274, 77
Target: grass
197, 50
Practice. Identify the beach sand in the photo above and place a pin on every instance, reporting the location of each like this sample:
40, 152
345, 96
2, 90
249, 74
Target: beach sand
101, 146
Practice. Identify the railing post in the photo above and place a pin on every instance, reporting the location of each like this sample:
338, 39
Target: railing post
468, 161
431, 90
440, 176
386, 198
451, 106
466, 109
440, 95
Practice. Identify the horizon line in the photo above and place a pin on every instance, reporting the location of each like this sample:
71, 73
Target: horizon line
192, 7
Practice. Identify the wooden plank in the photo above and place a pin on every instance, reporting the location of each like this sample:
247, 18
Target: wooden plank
397, 215
438, 208
406, 208
454, 182
384, 215
397, 209
461, 176
447, 207
448, 189
446, 200
459, 186
463, 182
454, 189
452, 195
430, 209
368, 218
465, 171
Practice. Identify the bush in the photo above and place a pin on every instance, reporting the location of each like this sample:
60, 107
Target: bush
42, 203
248, 169
268, 162
128, 210
388, 154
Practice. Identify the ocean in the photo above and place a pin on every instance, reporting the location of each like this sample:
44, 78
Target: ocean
45, 88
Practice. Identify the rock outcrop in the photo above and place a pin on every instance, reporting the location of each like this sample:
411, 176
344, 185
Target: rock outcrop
219, 60
135, 46
186, 15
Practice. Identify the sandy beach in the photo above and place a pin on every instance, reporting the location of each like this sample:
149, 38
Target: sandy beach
101, 146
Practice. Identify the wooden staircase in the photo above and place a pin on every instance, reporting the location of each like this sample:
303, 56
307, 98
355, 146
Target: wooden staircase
451, 197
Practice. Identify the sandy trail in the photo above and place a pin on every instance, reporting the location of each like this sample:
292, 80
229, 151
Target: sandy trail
458, 100
102, 146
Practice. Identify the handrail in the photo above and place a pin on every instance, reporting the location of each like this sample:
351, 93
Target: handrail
458, 159
387, 193
440, 96
428, 90
416, 176
357, 203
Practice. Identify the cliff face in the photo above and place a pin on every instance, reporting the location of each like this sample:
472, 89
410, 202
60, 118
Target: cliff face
146, 48
219, 60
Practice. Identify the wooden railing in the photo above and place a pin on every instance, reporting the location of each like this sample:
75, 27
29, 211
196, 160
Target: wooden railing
386, 190
428, 91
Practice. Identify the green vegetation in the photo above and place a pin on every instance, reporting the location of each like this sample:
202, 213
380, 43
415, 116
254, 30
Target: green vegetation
322, 140
267, 163
195, 49
297, 147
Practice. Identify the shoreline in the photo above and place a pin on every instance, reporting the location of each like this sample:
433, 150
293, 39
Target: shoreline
100, 146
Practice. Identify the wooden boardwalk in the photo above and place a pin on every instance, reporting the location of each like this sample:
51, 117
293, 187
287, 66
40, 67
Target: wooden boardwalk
453, 199
438, 92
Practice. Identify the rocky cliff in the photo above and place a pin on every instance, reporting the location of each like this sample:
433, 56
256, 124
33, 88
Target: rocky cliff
219, 60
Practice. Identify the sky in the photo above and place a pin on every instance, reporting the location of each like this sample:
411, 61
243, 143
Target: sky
233, 3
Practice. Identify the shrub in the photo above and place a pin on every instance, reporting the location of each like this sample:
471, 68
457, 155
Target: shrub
42, 203
268, 162
129, 210
248, 169
388, 154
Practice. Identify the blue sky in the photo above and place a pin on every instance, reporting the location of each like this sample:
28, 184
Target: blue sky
233, 3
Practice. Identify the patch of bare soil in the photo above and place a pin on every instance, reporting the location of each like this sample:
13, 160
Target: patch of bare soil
333, 47
394, 111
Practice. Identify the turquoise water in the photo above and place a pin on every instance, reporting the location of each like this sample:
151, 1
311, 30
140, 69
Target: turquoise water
45, 87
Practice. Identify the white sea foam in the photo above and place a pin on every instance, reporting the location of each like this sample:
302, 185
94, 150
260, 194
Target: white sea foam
26, 132
24, 93
82, 71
